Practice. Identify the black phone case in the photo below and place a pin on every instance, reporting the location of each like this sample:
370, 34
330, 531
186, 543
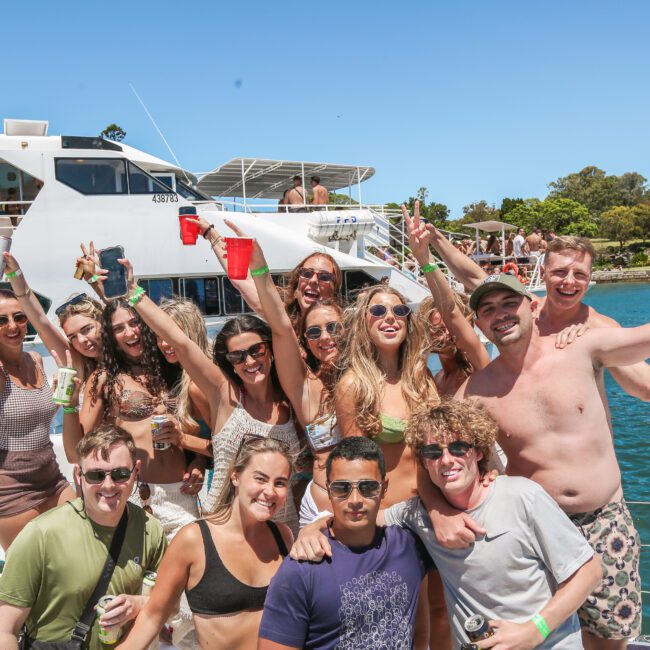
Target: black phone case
115, 283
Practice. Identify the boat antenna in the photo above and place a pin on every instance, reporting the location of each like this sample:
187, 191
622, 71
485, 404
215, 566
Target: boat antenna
160, 133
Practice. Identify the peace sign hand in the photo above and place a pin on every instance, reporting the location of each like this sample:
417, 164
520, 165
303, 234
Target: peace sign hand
420, 234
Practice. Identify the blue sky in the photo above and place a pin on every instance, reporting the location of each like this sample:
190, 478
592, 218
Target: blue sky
472, 99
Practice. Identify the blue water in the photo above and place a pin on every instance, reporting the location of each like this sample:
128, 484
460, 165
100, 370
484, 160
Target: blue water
629, 304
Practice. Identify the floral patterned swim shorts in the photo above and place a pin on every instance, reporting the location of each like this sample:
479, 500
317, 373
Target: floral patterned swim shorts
613, 610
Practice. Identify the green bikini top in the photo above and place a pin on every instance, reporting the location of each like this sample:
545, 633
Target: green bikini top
392, 429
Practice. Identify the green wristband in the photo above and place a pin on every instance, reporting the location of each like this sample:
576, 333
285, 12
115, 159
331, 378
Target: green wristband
69, 410
136, 296
13, 274
93, 279
429, 268
541, 625
257, 272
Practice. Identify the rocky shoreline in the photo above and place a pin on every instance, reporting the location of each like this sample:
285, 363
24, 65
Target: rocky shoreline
624, 275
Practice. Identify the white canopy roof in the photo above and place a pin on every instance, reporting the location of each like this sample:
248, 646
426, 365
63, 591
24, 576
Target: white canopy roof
490, 226
258, 178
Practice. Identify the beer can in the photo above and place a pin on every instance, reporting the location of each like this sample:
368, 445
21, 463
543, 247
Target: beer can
108, 636
5, 246
148, 581
156, 421
79, 271
477, 628
64, 386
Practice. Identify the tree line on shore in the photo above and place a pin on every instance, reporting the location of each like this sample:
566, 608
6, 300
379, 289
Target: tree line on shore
589, 203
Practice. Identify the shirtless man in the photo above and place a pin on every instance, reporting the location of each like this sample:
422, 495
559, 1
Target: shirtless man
566, 271
534, 241
567, 446
321, 195
297, 197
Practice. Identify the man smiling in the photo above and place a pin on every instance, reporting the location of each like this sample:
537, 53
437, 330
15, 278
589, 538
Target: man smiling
364, 597
56, 561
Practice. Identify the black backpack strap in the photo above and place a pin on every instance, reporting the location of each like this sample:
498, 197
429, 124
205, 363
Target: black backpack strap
87, 617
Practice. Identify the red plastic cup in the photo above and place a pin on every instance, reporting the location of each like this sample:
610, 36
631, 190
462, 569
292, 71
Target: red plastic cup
238, 250
189, 230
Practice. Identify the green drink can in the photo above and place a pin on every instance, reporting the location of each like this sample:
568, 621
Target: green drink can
148, 581
108, 636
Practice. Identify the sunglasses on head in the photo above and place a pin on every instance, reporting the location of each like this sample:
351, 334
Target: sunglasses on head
399, 311
255, 351
316, 331
18, 318
457, 448
368, 488
117, 474
73, 301
323, 276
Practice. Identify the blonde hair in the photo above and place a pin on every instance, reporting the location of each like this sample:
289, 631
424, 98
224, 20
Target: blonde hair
189, 318
90, 308
447, 420
358, 360
436, 335
249, 448
570, 242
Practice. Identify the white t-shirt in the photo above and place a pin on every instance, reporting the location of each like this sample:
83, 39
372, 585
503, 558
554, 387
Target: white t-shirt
518, 245
511, 573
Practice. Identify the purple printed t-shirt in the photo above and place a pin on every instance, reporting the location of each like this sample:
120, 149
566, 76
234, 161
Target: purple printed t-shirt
360, 598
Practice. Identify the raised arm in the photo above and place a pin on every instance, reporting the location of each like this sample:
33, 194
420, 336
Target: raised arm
420, 236
210, 379
292, 371
72, 429
464, 269
245, 287
52, 338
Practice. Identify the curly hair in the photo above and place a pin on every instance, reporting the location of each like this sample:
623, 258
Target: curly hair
188, 317
291, 286
449, 420
249, 448
438, 336
240, 325
358, 360
115, 363
92, 309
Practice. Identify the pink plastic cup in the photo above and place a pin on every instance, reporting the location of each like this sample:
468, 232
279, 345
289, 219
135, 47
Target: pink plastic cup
189, 230
238, 250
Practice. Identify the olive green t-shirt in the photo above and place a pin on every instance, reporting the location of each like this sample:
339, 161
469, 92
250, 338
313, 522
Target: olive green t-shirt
55, 563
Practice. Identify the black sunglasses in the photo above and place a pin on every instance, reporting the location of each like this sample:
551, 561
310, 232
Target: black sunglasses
457, 448
18, 318
316, 331
73, 301
323, 276
399, 311
117, 474
368, 488
255, 351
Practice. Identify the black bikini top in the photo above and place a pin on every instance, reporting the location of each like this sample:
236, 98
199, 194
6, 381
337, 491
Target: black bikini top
218, 591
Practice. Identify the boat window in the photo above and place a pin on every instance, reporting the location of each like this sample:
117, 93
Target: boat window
167, 179
158, 289
204, 292
232, 301
189, 193
15, 186
92, 175
142, 183
354, 281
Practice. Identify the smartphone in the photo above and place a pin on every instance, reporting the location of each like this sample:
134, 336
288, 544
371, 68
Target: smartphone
115, 283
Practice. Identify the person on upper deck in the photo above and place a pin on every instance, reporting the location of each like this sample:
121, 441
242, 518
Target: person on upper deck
321, 196
297, 196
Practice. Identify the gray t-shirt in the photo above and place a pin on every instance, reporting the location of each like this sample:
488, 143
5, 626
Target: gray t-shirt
529, 548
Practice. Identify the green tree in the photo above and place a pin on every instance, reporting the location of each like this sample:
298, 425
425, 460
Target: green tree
620, 224
341, 199
113, 132
642, 213
599, 192
435, 213
563, 216
509, 204
480, 211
